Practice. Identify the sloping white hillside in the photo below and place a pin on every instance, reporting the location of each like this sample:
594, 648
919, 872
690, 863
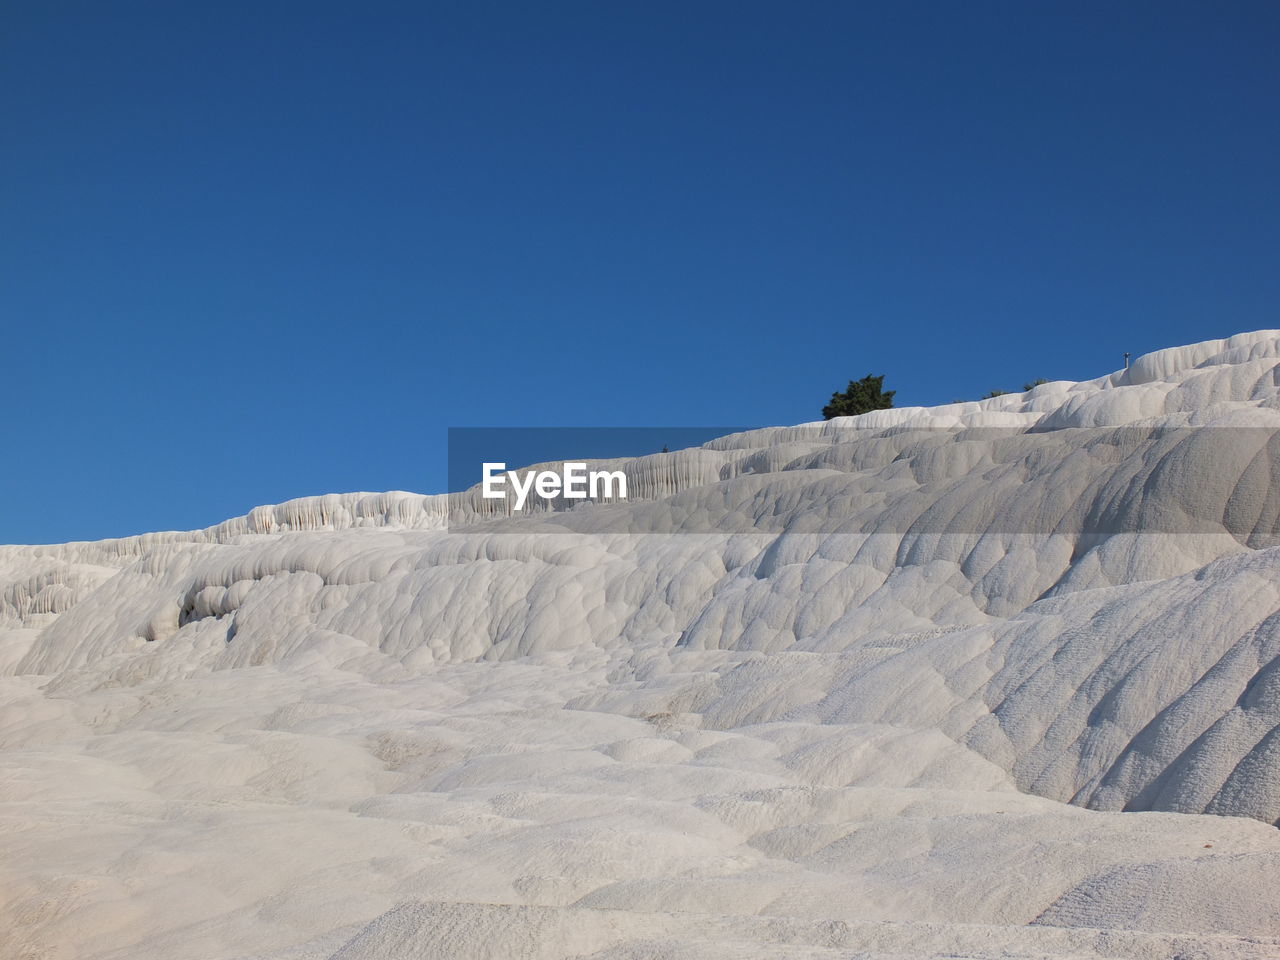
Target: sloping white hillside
885, 694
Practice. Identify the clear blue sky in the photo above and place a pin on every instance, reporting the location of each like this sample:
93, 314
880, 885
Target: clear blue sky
253, 251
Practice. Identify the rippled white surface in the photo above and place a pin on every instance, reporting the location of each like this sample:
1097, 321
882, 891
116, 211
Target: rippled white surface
334, 728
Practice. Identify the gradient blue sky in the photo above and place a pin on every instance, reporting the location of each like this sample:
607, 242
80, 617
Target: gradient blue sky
258, 251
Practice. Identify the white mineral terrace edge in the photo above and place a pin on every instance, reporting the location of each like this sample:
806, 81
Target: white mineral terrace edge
956, 721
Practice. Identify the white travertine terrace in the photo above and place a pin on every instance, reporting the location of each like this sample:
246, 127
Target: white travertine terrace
929, 711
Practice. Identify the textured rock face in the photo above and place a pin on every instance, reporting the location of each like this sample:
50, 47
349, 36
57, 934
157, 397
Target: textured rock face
856, 691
